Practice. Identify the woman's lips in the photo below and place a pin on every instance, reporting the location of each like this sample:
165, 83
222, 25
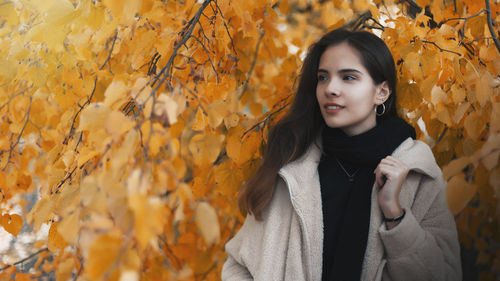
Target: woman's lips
333, 108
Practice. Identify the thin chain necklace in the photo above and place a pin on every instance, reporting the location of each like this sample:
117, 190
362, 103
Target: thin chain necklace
351, 177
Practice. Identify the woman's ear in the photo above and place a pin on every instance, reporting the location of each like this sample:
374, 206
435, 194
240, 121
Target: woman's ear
382, 93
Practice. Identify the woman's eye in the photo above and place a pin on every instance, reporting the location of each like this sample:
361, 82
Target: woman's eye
349, 77
322, 77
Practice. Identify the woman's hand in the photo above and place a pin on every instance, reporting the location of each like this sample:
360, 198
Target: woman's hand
390, 175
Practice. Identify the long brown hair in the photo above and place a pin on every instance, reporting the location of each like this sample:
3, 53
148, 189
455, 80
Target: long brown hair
289, 139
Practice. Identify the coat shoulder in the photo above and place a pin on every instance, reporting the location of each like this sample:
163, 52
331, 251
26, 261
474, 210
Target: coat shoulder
418, 156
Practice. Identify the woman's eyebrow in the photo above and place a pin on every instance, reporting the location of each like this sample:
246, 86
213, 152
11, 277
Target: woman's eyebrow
347, 70
322, 70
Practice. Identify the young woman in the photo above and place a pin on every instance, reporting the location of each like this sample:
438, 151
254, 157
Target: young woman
345, 192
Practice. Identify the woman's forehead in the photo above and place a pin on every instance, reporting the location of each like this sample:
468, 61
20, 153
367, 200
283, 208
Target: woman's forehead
341, 57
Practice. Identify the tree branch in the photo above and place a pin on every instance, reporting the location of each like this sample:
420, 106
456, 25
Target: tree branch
186, 34
110, 51
12, 147
490, 24
208, 55
441, 49
245, 86
266, 120
225, 25
87, 102
25, 259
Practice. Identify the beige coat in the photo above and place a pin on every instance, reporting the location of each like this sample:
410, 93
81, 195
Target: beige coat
287, 244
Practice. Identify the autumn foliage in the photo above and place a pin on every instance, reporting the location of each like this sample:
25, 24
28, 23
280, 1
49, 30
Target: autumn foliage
136, 122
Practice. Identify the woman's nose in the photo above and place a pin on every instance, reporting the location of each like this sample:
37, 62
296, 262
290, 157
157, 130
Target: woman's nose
332, 88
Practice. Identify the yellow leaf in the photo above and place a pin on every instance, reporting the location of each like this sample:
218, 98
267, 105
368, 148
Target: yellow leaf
228, 178
490, 151
55, 240
23, 181
93, 117
141, 90
361, 5
459, 192
438, 95
41, 212
166, 109
473, 125
129, 275
205, 148
231, 120
216, 113
69, 225
455, 167
64, 269
12, 223
115, 94
460, 111
153, 210
483, 90
103, 253
117, 124
207, 222
446, 31
442, 114
200, 121
86, 154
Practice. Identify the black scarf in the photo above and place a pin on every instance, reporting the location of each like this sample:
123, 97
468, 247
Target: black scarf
346, 205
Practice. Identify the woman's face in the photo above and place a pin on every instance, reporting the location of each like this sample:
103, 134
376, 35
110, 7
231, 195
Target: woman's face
346, 93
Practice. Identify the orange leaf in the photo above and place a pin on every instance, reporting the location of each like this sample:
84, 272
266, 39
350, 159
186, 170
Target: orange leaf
228, 178
459, 192
205, 148
455, 167
102, 254
12, 223
207, 222
55, 240
483, 89
23, 181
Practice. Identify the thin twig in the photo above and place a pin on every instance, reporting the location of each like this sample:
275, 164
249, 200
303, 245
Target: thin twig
208, 55
225, 25
11, 98
186, 34
490, 25
245, 86
87, 102
25, 259
441, 49
68, 177
110, 51
265, 121
12, 147
465, 19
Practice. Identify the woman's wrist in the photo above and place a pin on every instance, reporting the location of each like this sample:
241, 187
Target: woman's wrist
391, 210
392, 215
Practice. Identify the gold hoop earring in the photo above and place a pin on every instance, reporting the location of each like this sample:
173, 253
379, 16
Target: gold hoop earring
383, 110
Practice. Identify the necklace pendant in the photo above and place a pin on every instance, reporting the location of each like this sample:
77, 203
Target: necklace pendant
351, 179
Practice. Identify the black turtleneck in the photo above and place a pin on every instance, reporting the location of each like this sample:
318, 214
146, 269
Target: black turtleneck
346, 204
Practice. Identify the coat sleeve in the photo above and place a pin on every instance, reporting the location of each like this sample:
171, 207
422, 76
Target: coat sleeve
426, 248
234, 268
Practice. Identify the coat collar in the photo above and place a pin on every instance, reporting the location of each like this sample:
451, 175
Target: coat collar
414, 153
